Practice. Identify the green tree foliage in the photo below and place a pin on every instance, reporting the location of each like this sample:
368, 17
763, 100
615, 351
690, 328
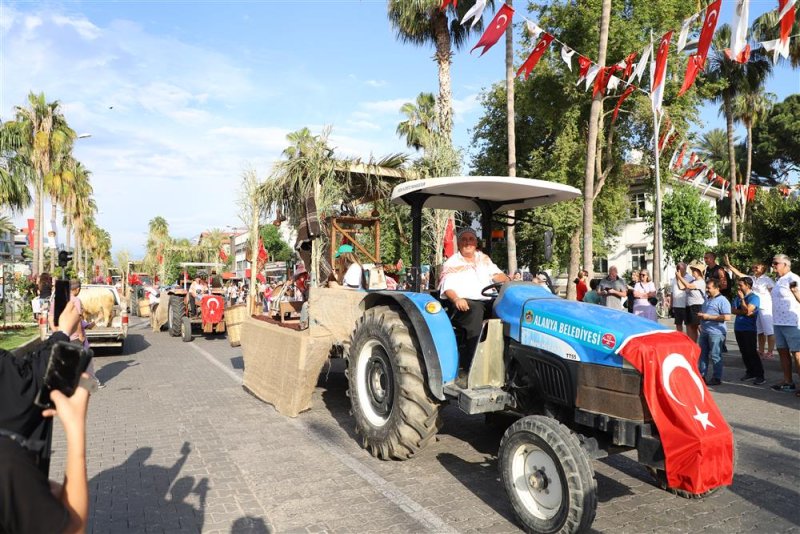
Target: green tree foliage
776, 151
277, 248
774, 226
688, 221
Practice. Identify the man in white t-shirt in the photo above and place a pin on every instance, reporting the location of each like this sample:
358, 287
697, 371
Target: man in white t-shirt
464, 275
679, 297
786, 320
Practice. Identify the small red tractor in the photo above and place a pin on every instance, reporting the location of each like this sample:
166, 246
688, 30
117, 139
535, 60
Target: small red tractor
184, 314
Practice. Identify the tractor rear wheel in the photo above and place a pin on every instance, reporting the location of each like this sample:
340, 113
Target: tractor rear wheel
186, 329
547, 476
176, 314
395, 414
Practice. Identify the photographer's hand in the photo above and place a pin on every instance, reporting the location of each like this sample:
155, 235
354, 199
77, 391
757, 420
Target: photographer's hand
71, 411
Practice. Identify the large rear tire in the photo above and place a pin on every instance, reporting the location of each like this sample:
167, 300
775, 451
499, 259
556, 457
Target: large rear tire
176, 314
395, 414
547, 476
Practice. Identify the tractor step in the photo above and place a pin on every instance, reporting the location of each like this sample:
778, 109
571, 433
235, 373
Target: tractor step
479, 400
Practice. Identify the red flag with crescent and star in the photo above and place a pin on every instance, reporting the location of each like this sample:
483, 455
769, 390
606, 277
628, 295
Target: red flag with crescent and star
535, 56
495, 29
697, 441
657, 83
212, 307
698, 60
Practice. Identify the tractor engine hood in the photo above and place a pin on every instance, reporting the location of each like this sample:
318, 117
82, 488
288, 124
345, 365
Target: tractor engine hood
571, 330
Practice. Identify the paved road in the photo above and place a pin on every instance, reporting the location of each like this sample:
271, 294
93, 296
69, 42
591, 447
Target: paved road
176, 445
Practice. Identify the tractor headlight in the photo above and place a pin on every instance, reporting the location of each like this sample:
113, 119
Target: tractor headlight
433, 307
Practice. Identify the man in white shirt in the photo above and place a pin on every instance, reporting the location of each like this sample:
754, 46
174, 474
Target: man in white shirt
464, 275
679, 297
786, 319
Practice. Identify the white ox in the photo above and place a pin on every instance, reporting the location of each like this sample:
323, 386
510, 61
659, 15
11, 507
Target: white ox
98, 305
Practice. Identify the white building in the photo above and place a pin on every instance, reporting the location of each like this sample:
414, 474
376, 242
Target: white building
633, 248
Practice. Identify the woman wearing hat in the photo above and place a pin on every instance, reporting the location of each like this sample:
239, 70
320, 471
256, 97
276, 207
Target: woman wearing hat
695, 287
349, 268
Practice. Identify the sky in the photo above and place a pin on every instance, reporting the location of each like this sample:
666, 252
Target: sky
181, 97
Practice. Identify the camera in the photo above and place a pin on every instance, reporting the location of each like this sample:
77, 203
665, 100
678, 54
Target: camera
64, 368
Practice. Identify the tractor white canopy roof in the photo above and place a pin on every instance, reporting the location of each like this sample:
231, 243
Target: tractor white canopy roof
504, 193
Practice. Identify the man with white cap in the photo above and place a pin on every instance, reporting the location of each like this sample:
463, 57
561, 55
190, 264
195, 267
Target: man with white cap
464, 275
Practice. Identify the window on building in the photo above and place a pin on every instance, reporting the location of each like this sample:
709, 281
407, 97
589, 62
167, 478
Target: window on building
600, 265
637, 206
638, 258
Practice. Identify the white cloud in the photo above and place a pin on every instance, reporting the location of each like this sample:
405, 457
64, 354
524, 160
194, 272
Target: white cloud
31, 23
377, 83
85, 29
465, 106
385, 106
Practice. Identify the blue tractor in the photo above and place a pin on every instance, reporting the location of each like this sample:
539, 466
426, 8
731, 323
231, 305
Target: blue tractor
552, 362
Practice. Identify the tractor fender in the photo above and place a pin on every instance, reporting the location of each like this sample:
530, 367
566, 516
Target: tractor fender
433, 330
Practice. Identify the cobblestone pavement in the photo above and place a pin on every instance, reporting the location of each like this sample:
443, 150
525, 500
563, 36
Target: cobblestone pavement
176, 445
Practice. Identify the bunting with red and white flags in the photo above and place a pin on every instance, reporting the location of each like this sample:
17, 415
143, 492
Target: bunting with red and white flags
666, 138
445, 3
496, 28
638, 72
602, 79
583, 68
659, 73
566, 56
475, 13
625, 94
780, 47
591, 75
692, 159
628, 68
534, 30
697, 60
679, 161
739, 50
536, 55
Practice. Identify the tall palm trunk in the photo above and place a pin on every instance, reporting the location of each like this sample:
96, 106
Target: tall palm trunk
443, 60
53, 216
591, 149
37, 222
511, 234
748, 170
728, 103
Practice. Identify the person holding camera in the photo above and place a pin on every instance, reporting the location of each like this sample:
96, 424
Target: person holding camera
786, 319
29, 502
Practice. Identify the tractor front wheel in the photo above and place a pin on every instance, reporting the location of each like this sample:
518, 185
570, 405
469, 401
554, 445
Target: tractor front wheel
395, 414
176, 314
186, 329
547, 476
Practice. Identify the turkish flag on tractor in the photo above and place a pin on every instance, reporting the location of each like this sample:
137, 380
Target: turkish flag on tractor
535, 56
697, 442
660, 74
698, 60
449, 239
495, 29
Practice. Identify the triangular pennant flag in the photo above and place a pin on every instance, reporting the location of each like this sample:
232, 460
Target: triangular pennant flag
665, 138
535, 56
496, 28
780, 46
785, 6
685, 31
692, 159
739, 50
590, 76
445, 3
629, 65
475, 13
679, 161
602, 79
660, 72
613, 83
692, 69
628, 90
638, 72
566, 55
533, 29
583, 68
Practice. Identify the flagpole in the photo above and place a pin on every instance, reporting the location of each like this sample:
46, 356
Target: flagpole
657, 228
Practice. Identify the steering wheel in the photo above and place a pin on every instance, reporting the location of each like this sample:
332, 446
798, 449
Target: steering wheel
491, 287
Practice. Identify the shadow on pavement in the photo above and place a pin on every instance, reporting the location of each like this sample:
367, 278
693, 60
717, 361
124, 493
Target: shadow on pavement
135, 343
333, 382
111, 370
482, 479
250, 525
784, 439
778, 500
138, 496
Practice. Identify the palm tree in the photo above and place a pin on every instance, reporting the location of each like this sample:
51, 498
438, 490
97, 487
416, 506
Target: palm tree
58, 185
157, 240
15, 173
77, 197
713, 146
422, 23
421, 121
733, 78
749, 107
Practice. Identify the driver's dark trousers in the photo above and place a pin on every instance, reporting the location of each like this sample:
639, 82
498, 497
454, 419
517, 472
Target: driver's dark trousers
471, 321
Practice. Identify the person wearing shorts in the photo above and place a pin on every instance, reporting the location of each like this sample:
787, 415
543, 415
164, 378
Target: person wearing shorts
762, 286
695, 297
679, 297
786, 319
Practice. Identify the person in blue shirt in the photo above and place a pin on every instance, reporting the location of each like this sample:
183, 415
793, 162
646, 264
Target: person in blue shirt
715, 311
745, 308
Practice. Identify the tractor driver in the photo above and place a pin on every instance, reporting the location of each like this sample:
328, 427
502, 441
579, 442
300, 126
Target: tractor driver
194, 296
464, 275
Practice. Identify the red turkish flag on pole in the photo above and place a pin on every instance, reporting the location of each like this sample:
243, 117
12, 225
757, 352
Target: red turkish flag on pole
262, 252
697, 442
657, 84
222, 255
698, 60
536, 55
630, 89
449, 238
495, 29
679, 161
583, 67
